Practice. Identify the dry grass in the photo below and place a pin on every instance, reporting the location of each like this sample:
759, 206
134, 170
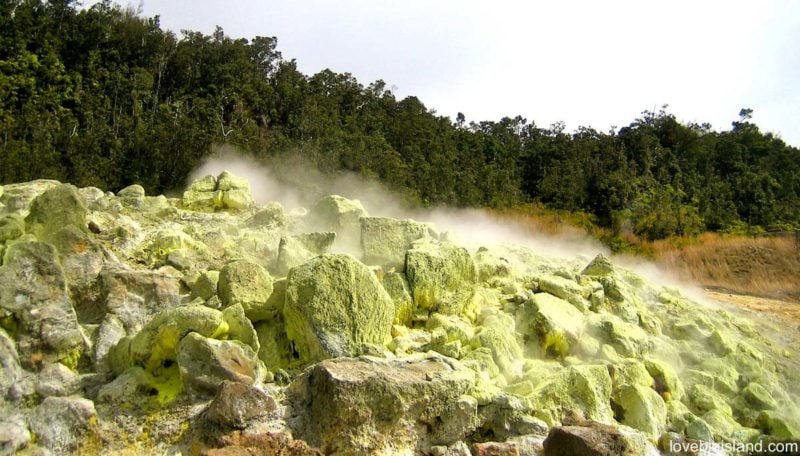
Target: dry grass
760, 266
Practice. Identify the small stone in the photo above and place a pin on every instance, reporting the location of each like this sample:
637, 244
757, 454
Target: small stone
495, 449
132, 191
57, 380
60, 423
759, 397
14, 434
206, 363
249, 284
700, 430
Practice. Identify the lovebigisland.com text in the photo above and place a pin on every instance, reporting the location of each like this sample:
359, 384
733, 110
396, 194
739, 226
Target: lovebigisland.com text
760, 447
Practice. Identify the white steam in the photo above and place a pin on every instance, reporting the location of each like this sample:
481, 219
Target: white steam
296, 183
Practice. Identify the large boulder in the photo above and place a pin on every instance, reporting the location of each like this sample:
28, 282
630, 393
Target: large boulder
296, 250
566, 289
441, 275
554, 323
134, 295
340, 215
367, 405
224, 192
642, 408
385, 241
583, 388
237, 404
589, 438
206, 363
35, 302
10, 370
396, 285
14, 433
61, 423
249, 284
334, 305
337, 213
18, 197
628, 339
12, 226
54, 209
156, 345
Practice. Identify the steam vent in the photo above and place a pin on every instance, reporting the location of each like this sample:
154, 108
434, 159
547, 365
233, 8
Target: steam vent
209, 324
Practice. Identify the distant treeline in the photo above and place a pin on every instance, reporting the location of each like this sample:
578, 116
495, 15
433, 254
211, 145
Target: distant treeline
105, 97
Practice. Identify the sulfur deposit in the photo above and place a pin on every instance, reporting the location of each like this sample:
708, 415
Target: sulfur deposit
210, 324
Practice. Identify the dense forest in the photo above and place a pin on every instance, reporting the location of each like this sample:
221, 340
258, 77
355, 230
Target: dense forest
105, 97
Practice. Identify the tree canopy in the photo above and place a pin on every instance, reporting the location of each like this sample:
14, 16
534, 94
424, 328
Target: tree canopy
105, 97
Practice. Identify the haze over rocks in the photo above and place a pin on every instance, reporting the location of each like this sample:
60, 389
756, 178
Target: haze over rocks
222, 322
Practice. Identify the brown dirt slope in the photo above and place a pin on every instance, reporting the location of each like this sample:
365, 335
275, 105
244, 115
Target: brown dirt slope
766, 267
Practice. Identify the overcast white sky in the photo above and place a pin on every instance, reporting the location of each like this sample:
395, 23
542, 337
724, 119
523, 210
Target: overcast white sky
582, 62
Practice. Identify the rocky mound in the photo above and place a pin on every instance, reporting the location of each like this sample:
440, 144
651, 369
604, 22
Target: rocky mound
212, 325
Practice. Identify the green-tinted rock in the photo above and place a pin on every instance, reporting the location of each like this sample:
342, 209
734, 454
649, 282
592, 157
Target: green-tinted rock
586, 388
132, 191
35, 303
628, 339
210, 194
642, 409
10, 370
18, 197
557, 324
441, 275
206, 285
666, 381
156, 344
235, 191
396, 285
272, 216
249, 284
724, 376
333, 305
600, 266
296, 250
276, 350
779, 425
758, 396
136, 295
704, 399
239, 327
498, 335
62, 423
456, 328
630, 371
721, 343
678, 416
722, 424
206, 363
481, 361
202, 195
12, 226
700, 430
337, 213
385, 241
54, 209
167, 241
566, 289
